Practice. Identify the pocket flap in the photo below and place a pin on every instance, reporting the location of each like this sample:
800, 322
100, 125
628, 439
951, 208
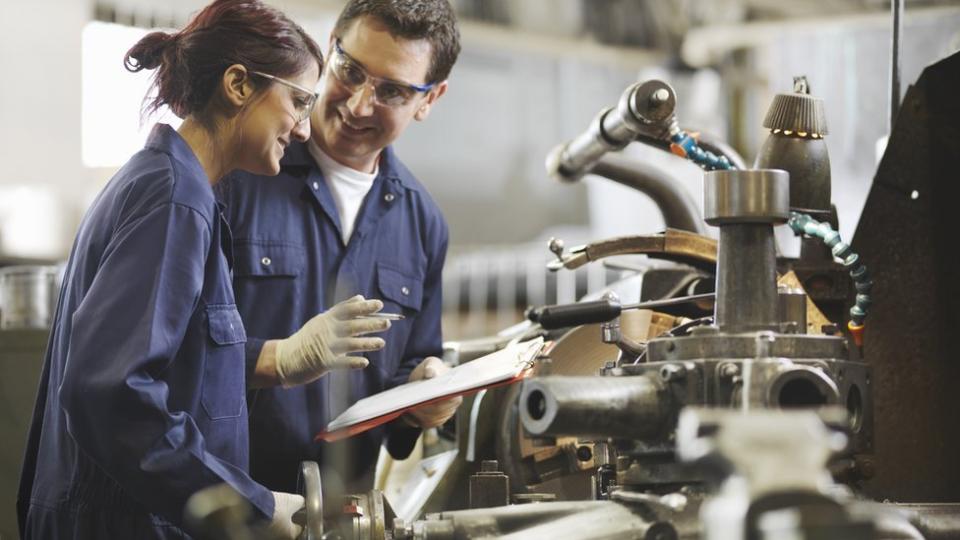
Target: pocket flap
257, 258
226, 327
399, 287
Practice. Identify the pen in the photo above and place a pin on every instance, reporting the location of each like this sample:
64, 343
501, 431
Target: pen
388, 316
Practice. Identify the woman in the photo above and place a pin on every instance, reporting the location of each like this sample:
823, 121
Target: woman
141, 402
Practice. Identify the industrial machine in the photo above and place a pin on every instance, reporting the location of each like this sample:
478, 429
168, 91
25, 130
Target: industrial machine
738, 402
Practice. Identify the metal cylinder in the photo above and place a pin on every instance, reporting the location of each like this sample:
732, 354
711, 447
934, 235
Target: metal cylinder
642, 104
28, 296
746, 279
745, 205
601, 407
746, 196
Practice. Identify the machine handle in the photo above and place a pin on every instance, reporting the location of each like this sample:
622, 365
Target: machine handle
311, 517
565, 315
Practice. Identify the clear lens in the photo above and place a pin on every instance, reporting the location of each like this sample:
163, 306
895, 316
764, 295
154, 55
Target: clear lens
354, 78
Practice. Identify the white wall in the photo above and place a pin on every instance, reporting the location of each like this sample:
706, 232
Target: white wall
40, 115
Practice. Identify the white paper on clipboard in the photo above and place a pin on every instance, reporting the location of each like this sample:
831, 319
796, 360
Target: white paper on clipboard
482, 372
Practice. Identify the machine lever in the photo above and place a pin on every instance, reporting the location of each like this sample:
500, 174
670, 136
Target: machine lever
598, 311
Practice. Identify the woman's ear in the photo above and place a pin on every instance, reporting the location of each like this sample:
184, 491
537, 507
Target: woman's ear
236, 85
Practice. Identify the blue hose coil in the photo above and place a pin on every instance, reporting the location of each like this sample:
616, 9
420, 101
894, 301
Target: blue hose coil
703, 158
804, 224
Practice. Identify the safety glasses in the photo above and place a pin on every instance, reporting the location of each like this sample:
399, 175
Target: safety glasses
303, 100
385, 91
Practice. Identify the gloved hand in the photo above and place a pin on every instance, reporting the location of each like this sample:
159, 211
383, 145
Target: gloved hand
434, 414
282, 525
322, 344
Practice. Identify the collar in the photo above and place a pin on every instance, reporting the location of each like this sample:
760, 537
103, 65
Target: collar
298, 156
164, 138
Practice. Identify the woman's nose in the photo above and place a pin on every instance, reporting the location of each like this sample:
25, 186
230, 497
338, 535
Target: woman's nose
301, 131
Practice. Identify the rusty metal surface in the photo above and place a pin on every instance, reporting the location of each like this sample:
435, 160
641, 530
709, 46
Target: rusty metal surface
673, 244
906, 237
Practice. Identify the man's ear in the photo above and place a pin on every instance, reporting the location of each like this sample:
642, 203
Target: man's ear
236, 85
432, 96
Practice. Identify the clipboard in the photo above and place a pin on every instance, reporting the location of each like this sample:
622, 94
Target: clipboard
499, 368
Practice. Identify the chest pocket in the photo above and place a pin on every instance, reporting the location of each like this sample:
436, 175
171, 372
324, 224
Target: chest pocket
400, 288
223, 371
254, 258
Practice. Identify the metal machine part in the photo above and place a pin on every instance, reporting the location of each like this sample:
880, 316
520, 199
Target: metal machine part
310, 487
596, 407
797, 124
28, 296
775, 478
644, 108
681, 246
745, 205
579, 519
489, 487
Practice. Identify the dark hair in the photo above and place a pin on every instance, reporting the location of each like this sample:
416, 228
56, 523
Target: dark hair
432, 20
191, 62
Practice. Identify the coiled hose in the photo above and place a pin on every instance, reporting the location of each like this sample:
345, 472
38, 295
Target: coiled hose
804, 224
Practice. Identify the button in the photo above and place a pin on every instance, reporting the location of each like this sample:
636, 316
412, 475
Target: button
265, 261
405, 291
316, 185
389, 197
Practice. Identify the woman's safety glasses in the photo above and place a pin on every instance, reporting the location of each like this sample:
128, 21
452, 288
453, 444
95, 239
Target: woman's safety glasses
303, 99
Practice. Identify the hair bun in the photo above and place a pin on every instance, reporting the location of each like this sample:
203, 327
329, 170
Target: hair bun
148, 52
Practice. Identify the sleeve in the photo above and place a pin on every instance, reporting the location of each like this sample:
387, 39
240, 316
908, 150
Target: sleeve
251, 349
426, 337
125, 334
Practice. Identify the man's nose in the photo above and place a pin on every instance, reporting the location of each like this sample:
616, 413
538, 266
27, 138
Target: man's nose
361, 102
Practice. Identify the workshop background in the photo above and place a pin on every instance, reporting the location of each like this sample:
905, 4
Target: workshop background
532, 74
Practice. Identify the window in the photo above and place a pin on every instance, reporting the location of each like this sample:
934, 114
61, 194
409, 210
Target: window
112, 125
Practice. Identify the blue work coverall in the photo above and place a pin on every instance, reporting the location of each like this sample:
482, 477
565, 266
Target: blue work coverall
142, 397
291, 264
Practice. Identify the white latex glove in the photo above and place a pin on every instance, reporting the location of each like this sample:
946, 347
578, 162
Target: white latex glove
434, 414
282, 525
324, 342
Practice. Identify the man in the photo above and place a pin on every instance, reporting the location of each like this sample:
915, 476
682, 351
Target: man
345, 217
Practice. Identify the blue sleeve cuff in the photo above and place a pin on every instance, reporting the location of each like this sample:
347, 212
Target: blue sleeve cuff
252, 352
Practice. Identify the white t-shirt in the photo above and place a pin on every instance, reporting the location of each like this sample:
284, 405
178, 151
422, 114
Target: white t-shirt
348, 186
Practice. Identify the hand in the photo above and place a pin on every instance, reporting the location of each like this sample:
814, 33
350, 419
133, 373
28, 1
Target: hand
325, 341
434, 414
284, 506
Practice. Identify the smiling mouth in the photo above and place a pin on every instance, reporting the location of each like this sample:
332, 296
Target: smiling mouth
351, 126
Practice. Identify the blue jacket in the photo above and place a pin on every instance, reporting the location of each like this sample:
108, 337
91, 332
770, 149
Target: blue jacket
141, 401
291, 264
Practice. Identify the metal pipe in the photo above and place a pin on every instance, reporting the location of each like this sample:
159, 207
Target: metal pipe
643, 108
678, 208
622, 407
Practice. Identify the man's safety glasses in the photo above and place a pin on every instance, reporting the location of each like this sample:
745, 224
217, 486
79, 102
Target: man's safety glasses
303, 100
385, 92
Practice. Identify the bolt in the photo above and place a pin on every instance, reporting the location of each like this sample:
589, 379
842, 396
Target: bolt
660, 96
672, 372
555, 245
865, 466
489, 465
729, 370
584, 453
